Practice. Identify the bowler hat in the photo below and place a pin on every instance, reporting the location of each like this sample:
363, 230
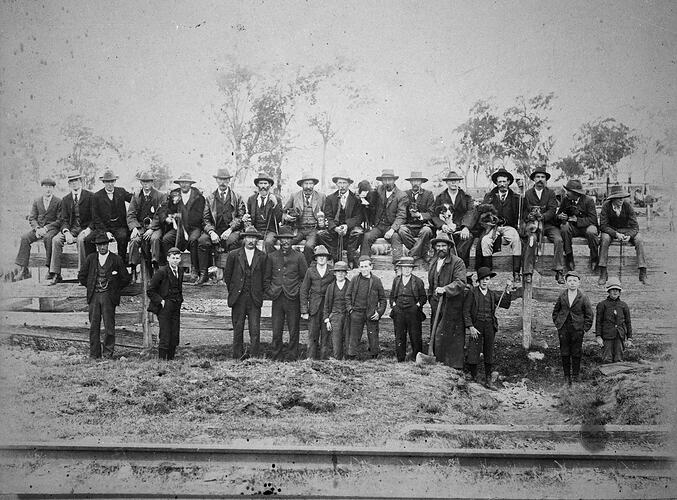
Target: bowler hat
307, 176
145, 176
320, 250
108, 175
101, 238
342, 175
617, 191
501, 172
340, 266
442, 238
613, 283
284, 232
406, 262
484, 272
48, 182
184, 177
575, 186
73, 176
539, 170
251, 231
222, 173
364, 258
173, 250
572, 273
263, 177
452, 176
388, 173
415, 174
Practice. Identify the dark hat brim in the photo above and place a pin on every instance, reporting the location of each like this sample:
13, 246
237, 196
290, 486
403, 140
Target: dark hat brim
48, 182
575, 190
618, 196
422, 179
251, 233
108, 179
381, 177
301, 181
532, 174
572, 273
321, 254
503, 173
222, 176
486, 275
259, 179
179, 181
100, 240
455, 178
335, 179
435, 241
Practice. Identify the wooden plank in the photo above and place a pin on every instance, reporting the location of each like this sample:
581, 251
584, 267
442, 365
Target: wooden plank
62, 319
612, 369
28, 288
68, 261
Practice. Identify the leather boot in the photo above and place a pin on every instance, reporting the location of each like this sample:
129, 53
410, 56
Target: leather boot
642, 275
559, 277
473, 371
593, 262
163, 354
576, 368
516, 263
171, 352
488, 383
603, 276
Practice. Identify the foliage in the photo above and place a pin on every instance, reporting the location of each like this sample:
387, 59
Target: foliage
152, 162
570, 167
601, 144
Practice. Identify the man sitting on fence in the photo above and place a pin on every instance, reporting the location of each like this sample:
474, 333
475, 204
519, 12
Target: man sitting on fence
578, 217
110, 212
304, 212
144, 223
264, 211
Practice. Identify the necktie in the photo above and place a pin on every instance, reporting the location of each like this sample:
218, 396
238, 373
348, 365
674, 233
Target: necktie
176, 275
307, 201
502, 198
75, 199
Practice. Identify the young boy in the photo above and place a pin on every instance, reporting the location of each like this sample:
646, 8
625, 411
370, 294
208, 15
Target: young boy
613, 328
366, 304
407, 297
313, 289
165, 292
479, 317
572, 316
336, 309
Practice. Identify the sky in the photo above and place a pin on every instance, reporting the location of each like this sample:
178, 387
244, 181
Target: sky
146, 71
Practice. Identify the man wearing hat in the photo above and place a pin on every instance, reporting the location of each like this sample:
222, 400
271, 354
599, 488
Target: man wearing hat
44, 221
165, 292
617, 221
578, 217
313, 289
613, 327
391, 211
244, 275
304, 212
541, 198
464, 216
264, 211
344, 214
105, 275
182, 215
407, 297
501, 226
76, 225
285, 271
109, 212
335, 312
446, 286
144, 223
481, 325
222, 218
416, 231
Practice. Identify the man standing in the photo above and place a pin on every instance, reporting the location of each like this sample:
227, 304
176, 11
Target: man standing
265, 211
463, 215
391, 212
304, 211
144, 223
165, 292
578, 217
110, 212
222, 217
618, 221
313, 289
285, 270
44, 221
182, 215
76, 225
446, 287
104, 274
539, 205
344, 213
244, 276
407, 297
416, 231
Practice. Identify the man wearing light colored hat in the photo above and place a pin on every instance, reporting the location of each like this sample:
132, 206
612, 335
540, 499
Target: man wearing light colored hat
109, 211
264, 211
313, 289
407, 298
617, 221
44, 221
578, 217
391, 211
335, 312
416, 231
144, 223
464, 215
182, 216
303, 211
613, 327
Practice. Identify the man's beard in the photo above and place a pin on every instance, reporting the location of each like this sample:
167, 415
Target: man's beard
390, 188
250, 245
503, 189
540, 184
308, 192
442, 253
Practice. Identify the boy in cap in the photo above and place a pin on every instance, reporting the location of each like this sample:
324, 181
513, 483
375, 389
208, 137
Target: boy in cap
336, 318
313, 290
479, 318
613, 328
572, 315
407, 297
165, 292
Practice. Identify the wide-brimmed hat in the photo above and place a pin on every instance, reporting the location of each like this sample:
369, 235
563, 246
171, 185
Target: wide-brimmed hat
442, 238
307, 176
504, 173
575, 186
539, 170
415, 174
617, 191
342, 175
284, 232
251, 231
173, 250
263, 177
452, 176
222, 173
388, 173
614, 283
145, 176
108, 175
320, 250
47, 181
101, 238
572, 273
184, 177
484, 272
406, 262
341, 266
73, 176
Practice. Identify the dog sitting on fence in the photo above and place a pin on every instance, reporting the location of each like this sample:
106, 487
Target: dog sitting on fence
446, 214
533, 224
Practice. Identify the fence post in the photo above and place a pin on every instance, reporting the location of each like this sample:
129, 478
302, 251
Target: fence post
145, 321
527, 309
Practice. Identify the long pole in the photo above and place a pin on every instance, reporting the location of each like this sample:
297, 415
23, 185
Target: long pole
145, 319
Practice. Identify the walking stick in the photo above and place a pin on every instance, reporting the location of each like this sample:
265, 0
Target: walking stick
621, 264
429, 358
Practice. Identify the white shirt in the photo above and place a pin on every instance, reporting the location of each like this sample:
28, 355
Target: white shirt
262, 200
502, 196
249, 254
483, 292
175, 271
223, 194
572, 296
46, 201
102, 258
77, 193
453, 196
341, 284
110, 195
405, 280
538, 193
389, 193
344, 198
617, 210
185, 197
322, 270
440, 263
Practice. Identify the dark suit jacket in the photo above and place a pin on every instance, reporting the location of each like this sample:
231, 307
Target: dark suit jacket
209, 214
609, 222
354, 212
272, 211
424, 204
329, 298
191, 213
103, 212
508, 209
68, 211
47, 217
297, 200
376, 296
233, 275
586, 213
157, 199
548, 204
581, 311
314, 288
158, 288
470, 305
284, 274
418, 288
463, 211
117, 274
391, 211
